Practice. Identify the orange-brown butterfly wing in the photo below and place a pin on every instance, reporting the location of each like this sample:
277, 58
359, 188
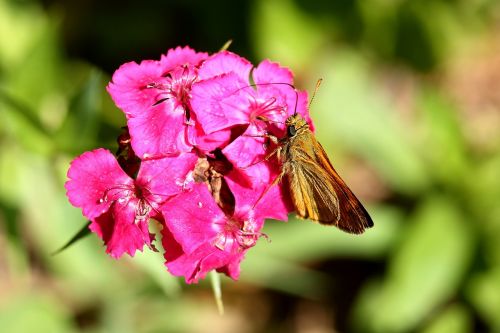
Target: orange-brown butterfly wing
312, 196
353, 216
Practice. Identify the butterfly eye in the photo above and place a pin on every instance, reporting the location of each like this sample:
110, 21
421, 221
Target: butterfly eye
291, 131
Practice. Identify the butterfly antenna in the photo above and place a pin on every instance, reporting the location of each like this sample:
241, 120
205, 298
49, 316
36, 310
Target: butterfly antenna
296, 101
318, 83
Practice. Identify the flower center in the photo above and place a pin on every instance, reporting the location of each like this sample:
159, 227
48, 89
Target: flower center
236, 237
175, 85
181, 81
266, 109
120, 193
141, 197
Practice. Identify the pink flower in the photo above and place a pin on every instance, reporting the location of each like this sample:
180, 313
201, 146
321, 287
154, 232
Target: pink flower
118, 206
155, 98
200, 237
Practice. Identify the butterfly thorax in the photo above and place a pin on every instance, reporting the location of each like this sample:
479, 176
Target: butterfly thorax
297, 142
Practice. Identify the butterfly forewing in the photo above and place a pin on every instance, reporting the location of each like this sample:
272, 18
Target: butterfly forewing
317, 190
308, 193
353, 216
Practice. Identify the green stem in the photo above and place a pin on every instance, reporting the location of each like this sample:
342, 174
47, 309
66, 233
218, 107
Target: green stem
216, 287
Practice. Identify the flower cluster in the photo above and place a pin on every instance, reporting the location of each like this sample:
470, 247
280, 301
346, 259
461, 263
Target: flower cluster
192, 157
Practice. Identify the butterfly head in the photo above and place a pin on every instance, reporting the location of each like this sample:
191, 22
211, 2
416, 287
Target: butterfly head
295, 124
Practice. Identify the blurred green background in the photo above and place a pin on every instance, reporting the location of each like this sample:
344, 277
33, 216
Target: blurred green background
409, 112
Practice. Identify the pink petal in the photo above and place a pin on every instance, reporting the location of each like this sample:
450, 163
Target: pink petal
196, 265
225, 62
165, 177
92, 175
282, 78
248, 153
276, 203
272, 80
181, 56
173, 250
191, 217
179, 263
276, 83
285, 102
232, 269
220, 103
264, 200
247, 149
271, 72
183, 265
120, 231
207, 143
160, 131
132, 86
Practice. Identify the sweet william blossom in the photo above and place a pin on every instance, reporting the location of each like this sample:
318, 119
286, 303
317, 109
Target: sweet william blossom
118, 206
154, 95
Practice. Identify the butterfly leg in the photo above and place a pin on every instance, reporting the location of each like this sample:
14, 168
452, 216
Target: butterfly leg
274, 182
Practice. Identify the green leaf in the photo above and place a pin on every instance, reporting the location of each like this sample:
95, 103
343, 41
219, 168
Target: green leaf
20, 27
38, 74
425, 272
79, 130
483, 291
23, 111
83, 232
441, 129
22, 126
455, 318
